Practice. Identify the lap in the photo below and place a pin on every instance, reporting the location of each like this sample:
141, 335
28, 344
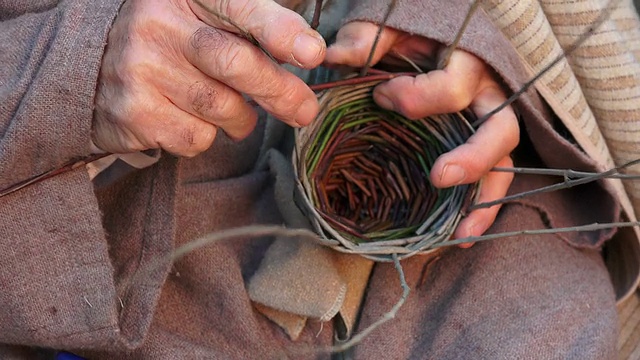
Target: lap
526, 297
523, 297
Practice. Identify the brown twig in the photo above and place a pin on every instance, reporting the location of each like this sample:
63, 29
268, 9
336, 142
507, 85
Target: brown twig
315, 22
72, 165
368, 64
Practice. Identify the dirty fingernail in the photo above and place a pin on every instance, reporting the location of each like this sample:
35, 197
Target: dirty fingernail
452, 175
307, 49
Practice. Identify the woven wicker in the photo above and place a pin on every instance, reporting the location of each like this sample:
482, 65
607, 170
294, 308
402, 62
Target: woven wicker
363, 175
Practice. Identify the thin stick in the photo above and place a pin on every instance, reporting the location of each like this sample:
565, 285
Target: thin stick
358, 338
315, 22
588, 227
446, 56
72, 165
359, 80
563, 185
599, 21
565, 173
367, 65
228, 234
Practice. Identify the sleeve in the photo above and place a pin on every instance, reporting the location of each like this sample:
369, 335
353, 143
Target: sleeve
50, 53
57, 287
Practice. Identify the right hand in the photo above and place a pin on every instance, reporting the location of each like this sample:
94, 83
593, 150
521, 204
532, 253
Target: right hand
467, 82
173, 73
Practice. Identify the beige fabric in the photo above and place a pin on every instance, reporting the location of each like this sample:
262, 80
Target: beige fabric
138, 160
596, 89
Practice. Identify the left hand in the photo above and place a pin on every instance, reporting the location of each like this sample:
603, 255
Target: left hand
466, 82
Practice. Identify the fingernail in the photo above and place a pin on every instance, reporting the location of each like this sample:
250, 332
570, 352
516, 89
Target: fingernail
452, 175
307, 49
305, 112
384, 102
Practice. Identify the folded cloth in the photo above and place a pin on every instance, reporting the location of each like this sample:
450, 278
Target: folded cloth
299, 279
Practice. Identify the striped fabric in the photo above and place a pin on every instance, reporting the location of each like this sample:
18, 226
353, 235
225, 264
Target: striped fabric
595, 90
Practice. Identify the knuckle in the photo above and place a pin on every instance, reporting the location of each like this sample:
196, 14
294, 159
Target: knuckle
198, 141
240, 128
188, 141
202, 98
207, 39
459, 95
512, 131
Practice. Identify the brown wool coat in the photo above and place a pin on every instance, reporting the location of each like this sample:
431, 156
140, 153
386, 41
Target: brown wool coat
69, 250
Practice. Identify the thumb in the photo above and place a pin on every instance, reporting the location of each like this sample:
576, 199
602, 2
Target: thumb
354, 41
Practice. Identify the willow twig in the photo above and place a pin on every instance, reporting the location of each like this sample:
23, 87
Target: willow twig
315, 22
588, 227
72, 165
378, 75
251, 230
390, 315
367, 64
565, 173
446, 56
563, 185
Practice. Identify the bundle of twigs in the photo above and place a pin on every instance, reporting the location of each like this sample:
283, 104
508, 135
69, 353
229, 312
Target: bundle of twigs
363, 175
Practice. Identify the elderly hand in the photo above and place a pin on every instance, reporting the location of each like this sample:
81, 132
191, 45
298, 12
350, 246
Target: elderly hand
174, 73
465, 82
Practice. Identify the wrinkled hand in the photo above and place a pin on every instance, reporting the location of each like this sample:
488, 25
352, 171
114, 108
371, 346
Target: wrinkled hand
174, 73
465, 82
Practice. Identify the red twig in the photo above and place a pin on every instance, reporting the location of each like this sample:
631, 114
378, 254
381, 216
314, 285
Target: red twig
72, 165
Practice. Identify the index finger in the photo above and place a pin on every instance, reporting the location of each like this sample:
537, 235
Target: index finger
282, 32
494, 140
244, 68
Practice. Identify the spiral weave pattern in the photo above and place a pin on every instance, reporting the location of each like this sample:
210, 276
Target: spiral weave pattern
363, 175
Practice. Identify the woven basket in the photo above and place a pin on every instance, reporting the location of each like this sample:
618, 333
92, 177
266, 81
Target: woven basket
363, 175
